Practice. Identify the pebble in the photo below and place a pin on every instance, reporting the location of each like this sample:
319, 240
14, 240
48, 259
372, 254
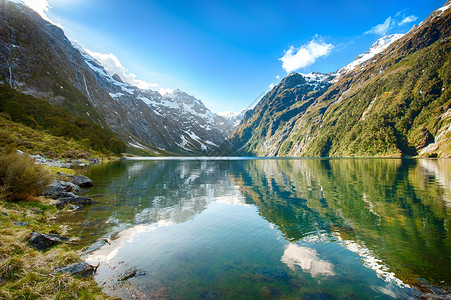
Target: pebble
18, 223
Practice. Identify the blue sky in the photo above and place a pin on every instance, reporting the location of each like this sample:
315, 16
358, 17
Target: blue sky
227, 53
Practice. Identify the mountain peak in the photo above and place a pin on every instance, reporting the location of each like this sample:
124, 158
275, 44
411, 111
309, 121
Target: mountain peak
379, 46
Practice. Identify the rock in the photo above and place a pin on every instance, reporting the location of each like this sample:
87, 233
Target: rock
18, 223
75, 199
94, 161
64, 174
272, 274
96, 246
59, 188
37, 210
131, 273
44, 241
81, 269
81, 181
39, 159
73, 207
60, 204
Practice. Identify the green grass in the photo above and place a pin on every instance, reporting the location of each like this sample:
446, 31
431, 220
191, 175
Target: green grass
25, 273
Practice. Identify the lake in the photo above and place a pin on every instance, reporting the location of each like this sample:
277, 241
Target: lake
269, 228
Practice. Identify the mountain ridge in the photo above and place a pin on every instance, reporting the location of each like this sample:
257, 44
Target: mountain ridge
38, 59
395, 104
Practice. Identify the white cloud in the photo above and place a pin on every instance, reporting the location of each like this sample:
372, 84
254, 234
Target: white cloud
391, 22
277, 77
307, 258
113, 66
408, 19
297, 58
41, 7
381, 29
271, 86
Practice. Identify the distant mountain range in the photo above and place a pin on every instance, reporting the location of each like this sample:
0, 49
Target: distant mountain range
393, 100
234, 117
39, 60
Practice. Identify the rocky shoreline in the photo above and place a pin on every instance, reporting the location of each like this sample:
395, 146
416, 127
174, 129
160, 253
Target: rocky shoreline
64, 192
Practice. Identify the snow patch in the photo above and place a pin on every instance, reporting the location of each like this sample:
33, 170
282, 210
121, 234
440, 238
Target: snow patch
379, 46
442, 9
116, 95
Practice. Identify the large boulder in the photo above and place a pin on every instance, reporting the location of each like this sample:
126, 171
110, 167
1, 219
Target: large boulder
81, 181
42, 241
59, 188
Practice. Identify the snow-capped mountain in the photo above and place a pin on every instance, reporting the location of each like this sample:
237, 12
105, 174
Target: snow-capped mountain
379, 46
41, 61
234, 117
319, 81
184, 119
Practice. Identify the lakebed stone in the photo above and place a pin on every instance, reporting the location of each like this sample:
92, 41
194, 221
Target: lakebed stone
132, 272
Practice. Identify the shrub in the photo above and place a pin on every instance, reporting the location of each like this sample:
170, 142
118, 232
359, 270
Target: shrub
20, 177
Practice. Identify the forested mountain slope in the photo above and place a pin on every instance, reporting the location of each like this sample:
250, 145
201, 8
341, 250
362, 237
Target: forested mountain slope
395, 104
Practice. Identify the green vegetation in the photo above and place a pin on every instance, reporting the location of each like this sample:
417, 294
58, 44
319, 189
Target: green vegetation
396, 105
42, 116
17, 136
20, 177
395, 114
26, 273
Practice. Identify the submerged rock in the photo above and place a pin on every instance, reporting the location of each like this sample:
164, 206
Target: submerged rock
42, 241
96, 246
272, 273
82, 269
131, 273
81, 181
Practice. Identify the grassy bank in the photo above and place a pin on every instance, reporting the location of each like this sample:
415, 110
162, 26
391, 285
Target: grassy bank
26, 273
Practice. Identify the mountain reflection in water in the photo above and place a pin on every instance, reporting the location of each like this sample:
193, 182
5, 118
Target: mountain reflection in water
270, 228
